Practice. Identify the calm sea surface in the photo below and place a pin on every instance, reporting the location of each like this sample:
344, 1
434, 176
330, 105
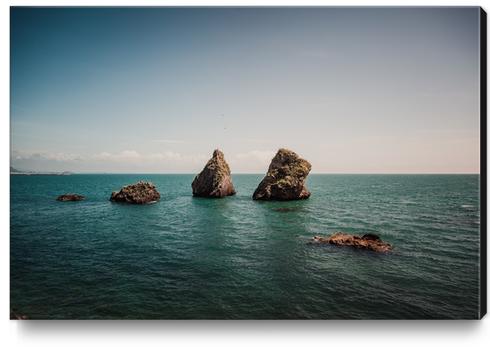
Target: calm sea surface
186, 257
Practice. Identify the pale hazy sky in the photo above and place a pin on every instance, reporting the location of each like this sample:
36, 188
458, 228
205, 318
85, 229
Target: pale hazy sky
156, 90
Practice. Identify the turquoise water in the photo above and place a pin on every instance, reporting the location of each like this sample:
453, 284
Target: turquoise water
186, 257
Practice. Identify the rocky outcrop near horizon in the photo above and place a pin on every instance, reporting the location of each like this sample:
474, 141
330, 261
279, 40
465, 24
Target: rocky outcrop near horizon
70, 197
370, 242
285, 178
139, 193
214, 181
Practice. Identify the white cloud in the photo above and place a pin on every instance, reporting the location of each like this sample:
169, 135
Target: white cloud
56, 156
262, 157
176, 157
123, 155
130, 160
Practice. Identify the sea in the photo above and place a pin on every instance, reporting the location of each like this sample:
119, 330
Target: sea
236, 258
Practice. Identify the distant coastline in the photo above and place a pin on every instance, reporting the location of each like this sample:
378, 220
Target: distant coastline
14, 171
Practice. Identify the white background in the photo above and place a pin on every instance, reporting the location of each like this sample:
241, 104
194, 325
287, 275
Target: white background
208, 333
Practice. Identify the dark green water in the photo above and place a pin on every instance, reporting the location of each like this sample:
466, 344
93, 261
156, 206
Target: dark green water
188, 257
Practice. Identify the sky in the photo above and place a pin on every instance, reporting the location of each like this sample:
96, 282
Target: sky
156, 90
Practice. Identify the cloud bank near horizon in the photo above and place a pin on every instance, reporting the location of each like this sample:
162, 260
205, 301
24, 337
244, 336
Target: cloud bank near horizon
128, 161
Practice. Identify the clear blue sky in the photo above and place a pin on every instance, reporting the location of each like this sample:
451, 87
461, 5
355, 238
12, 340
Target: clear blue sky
156, 90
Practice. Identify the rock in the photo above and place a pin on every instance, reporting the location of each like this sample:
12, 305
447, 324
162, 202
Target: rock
70, 197
214, 181
369, 241
139, 193
17, 316
371, 237
285, 179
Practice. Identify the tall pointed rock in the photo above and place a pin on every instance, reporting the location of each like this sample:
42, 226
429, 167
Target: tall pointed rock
285, 179
214, 181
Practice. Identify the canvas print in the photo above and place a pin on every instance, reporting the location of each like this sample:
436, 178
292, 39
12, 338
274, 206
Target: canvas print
247, 163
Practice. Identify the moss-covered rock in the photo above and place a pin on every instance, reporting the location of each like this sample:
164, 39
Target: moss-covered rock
368, 241
214, 181
139, 193
70, 197
285, 179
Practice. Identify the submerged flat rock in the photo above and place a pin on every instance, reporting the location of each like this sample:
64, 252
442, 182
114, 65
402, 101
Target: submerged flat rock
139, 193
70, 197
370, 242
285, 179
214, 181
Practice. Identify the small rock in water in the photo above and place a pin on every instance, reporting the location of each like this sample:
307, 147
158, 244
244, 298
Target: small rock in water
368, 241
70, 197
285, 179
214, 181
17, 316
139, 193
